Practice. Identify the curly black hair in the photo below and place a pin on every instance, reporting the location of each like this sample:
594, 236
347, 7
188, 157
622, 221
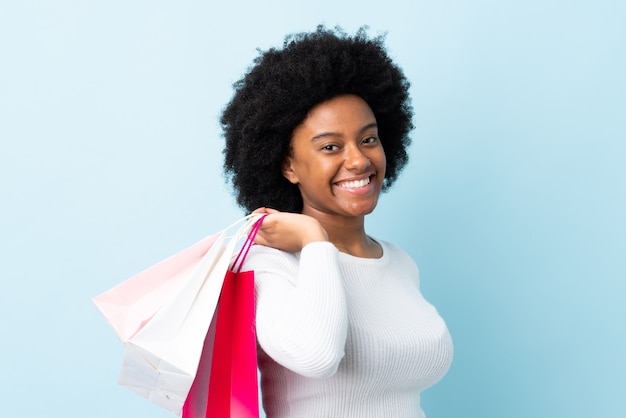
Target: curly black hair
283, 85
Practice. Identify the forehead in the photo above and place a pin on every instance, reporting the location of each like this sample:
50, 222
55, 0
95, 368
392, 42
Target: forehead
341, 111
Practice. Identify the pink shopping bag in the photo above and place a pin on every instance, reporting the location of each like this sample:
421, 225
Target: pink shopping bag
226, 383
131, 304
164, 314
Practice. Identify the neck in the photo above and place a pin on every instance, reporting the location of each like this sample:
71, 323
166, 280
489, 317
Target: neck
348, 234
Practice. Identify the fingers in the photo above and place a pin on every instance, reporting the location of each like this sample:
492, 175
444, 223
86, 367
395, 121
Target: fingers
288, 231
264, 210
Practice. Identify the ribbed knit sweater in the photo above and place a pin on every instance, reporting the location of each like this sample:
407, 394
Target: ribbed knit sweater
342, 336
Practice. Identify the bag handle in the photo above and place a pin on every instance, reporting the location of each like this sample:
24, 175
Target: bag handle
237, 264
247, 221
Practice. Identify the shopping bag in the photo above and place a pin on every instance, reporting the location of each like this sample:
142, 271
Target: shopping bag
161, 357
131, 304
226, 384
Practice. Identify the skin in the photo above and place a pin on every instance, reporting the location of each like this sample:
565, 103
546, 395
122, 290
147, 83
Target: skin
338, 163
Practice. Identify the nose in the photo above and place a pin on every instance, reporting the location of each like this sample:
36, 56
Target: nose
355, 159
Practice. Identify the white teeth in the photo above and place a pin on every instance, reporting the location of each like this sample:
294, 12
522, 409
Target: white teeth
356, 184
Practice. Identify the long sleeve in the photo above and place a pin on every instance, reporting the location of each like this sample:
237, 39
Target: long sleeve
343, 336
301, 317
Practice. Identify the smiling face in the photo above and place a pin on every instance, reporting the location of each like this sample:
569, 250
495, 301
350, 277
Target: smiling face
337, 159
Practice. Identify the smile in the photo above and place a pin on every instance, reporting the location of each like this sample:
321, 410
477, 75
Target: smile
354, 184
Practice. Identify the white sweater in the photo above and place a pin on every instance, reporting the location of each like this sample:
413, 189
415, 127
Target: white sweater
342, 336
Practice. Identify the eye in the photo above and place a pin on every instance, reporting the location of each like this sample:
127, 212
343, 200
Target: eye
330, 147
370, 140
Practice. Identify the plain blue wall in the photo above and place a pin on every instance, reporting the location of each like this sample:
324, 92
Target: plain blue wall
513, 203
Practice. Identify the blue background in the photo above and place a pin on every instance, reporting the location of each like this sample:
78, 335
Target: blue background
513, 203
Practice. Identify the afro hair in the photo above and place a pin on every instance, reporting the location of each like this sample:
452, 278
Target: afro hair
283, 85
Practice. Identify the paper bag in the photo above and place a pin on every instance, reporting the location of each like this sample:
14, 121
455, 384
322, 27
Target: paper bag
226, 385
163, 345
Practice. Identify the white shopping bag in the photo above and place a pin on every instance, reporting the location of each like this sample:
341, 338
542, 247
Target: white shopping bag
130, 305
161, 357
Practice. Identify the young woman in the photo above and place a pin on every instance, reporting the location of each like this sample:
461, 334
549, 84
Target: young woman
315, 131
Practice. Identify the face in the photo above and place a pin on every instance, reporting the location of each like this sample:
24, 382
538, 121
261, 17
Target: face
337, 159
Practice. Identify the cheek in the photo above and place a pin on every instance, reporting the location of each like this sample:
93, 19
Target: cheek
381, 162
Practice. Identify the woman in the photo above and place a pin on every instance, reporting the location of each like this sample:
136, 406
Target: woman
315, 131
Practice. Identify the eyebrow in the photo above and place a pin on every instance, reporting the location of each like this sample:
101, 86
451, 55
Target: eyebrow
336, 134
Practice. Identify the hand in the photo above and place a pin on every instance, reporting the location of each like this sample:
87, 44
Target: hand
288, 231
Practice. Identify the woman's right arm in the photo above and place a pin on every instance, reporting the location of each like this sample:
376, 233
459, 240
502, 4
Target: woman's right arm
301, 317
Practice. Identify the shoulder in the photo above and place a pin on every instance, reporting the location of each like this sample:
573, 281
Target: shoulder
397, 257
261, 257
392, 249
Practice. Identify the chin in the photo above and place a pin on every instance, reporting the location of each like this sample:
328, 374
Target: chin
363, 210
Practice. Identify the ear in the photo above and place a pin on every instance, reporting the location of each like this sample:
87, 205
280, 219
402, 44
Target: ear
288, 170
